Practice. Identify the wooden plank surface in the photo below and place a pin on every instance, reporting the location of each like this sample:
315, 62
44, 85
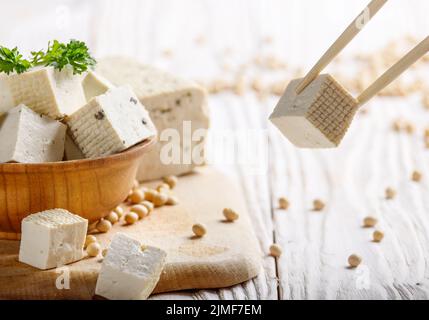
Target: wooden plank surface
227, 255
351, 179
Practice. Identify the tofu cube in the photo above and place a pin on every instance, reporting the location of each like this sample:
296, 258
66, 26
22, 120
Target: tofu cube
71, 150
173, 103
28, 137
52, 238
110, 123
318, 117
6, 100
47, 91
95, 85
129, 271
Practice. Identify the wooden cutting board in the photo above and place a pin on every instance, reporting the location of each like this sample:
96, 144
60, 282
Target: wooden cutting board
229, 253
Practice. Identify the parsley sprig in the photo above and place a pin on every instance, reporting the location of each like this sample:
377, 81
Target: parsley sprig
75, 53
11, 60
58, 55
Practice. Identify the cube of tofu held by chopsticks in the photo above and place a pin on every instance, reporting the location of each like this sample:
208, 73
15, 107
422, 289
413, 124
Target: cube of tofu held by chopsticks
129, 271
319, 116
110, 123
28, 137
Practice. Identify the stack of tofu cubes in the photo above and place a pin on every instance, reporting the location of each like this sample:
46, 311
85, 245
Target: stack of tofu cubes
48, 115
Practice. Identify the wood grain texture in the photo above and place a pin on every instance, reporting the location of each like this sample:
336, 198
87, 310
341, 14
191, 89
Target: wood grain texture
83, 187
227, 255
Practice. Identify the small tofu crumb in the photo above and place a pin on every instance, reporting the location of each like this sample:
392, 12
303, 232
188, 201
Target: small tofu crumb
104, 226
275, 250
93, 249
416, 176
390, 193
104, 252
318, 205
199, 230
230, 215
354, 261
377, 236
283, 203
369, 222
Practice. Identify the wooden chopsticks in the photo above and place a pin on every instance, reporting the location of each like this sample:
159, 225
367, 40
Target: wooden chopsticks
395, 71
345, 38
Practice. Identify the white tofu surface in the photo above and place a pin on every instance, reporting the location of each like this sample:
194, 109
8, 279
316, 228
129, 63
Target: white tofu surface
170, 101
52, 238
28, 137
110, 123
95, 85
71, 150
6, 100
318, 117
129, 272
45, 90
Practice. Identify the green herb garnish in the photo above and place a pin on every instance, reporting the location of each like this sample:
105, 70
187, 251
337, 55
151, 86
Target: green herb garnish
11, 60
75, 53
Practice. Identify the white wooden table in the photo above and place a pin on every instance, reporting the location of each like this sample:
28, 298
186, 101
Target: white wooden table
351, 179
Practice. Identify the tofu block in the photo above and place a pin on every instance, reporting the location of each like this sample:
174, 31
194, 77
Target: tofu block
28, 137
45, 90
170, 101
318, 117
129, 271
52, 238
71, 150
94, 85
110, 123
6, 100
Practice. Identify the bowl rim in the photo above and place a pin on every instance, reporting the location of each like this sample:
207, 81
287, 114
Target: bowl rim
129, 153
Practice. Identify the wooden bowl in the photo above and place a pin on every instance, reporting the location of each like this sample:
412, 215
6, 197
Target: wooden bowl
90, 188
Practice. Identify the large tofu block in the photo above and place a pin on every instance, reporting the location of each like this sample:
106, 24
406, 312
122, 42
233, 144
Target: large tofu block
45, 90
129, 271
173, 103
52, 238
318, 117
110, 123
28, 137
